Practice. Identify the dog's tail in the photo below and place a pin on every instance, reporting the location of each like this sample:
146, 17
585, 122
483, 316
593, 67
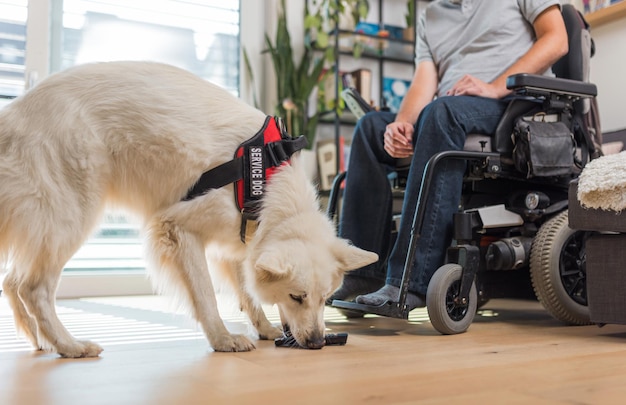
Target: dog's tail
4, 250
5, 232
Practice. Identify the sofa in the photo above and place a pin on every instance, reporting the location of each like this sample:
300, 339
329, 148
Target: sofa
597, 201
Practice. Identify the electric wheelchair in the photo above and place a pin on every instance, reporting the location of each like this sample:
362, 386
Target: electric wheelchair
511, 218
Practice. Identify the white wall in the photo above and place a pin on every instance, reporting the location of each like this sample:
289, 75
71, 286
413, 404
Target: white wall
609, 74
37, 51
255, 17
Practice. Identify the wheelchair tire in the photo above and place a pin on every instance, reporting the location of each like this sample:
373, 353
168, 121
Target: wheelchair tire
446, 316
557, 270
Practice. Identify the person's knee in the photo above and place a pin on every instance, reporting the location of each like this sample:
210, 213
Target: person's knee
442, 108
444, 116
372, 124
368, 122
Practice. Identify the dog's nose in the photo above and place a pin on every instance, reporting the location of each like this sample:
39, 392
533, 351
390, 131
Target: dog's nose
315, 343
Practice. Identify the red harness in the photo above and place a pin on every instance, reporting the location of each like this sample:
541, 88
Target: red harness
255, 162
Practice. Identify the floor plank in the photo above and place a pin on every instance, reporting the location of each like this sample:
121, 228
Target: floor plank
513, 353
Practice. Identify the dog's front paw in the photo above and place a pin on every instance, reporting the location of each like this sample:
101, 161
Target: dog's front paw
232, 343
83, 348
270, 333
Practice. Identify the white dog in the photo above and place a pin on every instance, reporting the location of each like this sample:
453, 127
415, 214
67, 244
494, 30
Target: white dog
139, 135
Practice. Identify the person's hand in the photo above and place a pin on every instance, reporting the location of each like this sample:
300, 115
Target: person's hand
398, 139
471, 86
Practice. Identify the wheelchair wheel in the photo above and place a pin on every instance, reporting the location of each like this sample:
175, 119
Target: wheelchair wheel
557, 270
446, 316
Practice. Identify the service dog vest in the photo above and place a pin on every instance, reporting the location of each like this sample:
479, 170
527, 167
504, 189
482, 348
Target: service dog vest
254, 163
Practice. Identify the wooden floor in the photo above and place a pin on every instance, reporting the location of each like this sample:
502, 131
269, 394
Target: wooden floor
513, 353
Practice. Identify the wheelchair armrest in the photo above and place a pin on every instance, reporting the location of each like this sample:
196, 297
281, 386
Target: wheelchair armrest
524, 83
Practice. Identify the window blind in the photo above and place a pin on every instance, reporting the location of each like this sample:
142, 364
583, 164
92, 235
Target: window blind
201, 36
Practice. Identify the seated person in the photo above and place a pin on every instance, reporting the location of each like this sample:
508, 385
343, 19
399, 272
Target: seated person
465, 51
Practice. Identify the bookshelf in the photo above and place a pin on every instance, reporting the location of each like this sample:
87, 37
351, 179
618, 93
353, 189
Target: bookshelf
380, 52
607, 14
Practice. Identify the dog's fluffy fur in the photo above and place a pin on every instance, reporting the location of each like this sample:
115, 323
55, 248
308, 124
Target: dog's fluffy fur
138, 135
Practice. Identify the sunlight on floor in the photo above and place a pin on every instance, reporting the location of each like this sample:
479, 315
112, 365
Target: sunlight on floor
106, 329
230, 311
120, 329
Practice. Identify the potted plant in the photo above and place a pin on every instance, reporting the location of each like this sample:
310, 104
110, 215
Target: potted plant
295, 81
322, 22
409, 31
330, 15
355, 10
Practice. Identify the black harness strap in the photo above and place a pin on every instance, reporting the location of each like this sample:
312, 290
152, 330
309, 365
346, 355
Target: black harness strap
276, 152
254, 162
217, 177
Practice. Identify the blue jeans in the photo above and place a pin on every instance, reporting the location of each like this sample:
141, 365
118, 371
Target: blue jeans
367, 202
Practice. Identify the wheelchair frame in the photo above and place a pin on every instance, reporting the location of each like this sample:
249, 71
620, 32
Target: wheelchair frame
557, 95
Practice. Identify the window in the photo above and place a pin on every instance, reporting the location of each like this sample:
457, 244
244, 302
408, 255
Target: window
201, 36
12, 48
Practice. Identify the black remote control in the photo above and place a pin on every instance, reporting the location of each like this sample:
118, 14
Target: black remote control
337, 339
331, 339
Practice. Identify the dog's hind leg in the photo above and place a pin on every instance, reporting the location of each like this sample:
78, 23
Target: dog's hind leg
181, 269
23, 321
37, 289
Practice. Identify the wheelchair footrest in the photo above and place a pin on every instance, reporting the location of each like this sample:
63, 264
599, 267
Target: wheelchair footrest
388, 309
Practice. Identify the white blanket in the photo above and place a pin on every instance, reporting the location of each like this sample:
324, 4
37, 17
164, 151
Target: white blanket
602, 183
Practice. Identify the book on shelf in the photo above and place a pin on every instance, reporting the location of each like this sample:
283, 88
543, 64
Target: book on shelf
384, 31
327, 161
360, 79
327, 92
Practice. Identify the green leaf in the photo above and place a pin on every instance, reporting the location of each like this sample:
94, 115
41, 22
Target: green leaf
322, 40
251, 75
296, 81
312, 22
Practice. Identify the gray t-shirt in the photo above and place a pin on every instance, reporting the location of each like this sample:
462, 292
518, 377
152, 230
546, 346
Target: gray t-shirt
477, 37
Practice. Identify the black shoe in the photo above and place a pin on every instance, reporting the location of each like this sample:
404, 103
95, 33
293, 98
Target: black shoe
353, 286
390, 293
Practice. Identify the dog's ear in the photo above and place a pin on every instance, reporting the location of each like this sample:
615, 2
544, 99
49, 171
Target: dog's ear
270, 265
351, 257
